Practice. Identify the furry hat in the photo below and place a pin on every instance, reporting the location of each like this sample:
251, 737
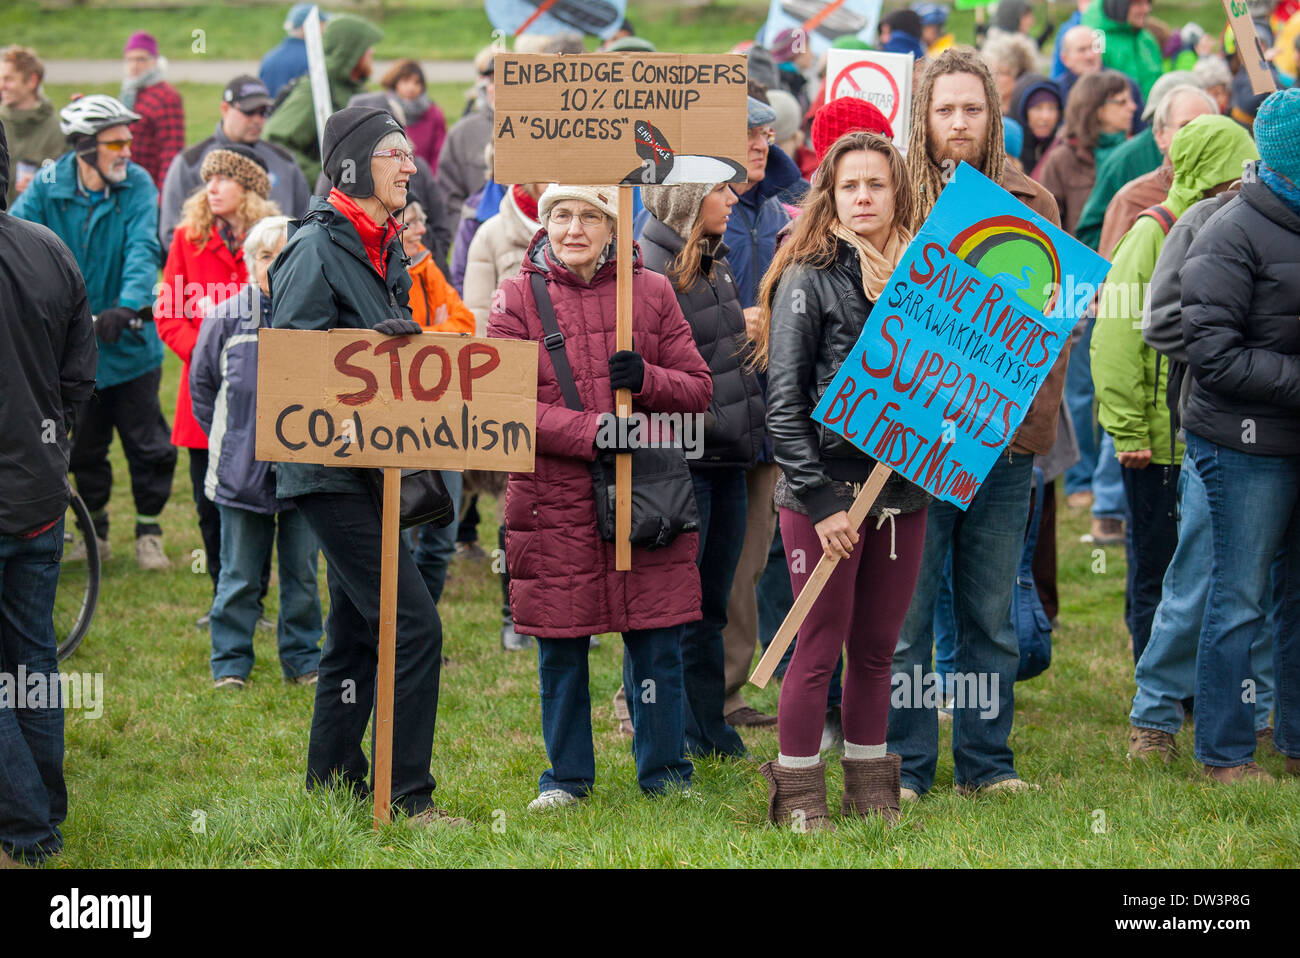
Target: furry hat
677, 207
240, 164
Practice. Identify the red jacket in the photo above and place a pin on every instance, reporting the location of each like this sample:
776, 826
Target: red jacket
193, 281
159, 134
562, 577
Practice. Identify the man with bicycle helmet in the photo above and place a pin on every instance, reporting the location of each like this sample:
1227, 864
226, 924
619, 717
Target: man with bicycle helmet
105, 208
49, 350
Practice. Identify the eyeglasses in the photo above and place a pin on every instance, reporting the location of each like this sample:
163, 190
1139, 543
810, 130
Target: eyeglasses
588, 218
402, 156
117, 146
260, 111
765, 133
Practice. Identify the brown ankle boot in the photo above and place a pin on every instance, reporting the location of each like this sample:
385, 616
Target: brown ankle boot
796, 797
871, 787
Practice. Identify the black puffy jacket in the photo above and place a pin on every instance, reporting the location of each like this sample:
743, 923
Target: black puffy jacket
807, 346
733, 431
1241, 325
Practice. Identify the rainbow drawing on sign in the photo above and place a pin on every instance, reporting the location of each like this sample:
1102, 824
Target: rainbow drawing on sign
1016, 253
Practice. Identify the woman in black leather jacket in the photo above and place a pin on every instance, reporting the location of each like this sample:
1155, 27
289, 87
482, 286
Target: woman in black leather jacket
815, 300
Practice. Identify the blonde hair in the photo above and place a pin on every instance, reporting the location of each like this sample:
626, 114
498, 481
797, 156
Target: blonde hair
812, 241
197, 217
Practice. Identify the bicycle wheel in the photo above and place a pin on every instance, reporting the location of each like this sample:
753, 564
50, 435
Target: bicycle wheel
74, 603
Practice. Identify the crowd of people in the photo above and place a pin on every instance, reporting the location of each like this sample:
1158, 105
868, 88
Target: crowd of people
1173, 414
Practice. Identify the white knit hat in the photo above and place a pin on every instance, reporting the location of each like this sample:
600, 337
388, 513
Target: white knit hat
604, 198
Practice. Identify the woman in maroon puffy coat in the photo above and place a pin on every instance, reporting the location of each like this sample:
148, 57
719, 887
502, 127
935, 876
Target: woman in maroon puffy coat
563, 585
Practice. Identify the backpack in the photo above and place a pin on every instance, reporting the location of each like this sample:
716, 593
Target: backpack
1033, 630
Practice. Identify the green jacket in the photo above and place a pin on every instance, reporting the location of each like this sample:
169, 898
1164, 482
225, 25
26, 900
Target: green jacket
1134, 52
1129, 376
293, 124
33, 137
1133, 158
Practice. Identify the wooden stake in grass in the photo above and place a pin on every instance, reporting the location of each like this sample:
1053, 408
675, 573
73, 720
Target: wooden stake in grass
623, 398
817, 581
390, 523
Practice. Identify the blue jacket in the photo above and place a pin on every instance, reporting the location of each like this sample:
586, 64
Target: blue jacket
755, 221
284, 63
115, 242
223, 392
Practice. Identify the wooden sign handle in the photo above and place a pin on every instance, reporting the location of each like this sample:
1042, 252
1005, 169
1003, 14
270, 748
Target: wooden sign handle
390, 523
817, 581
623, 397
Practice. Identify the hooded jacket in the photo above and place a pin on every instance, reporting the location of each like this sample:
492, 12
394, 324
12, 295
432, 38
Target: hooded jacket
562, 577
496, 252
434, 303
115, 242
755, 221
734, 424
1135, 53
49, 367
1033, 148
33, 137
288, 188
1130, 377
1241, 297
293, 124
324, 279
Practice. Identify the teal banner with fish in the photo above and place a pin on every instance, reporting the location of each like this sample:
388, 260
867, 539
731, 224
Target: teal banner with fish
962, 338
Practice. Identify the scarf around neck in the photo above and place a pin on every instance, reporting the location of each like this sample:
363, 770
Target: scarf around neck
876, 265
133, 85
414, 109
1283, 189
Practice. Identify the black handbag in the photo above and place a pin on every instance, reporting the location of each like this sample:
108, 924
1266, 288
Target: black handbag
663, 495
425, 499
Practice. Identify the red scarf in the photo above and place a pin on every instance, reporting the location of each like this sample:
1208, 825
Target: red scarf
527, 205
373, 236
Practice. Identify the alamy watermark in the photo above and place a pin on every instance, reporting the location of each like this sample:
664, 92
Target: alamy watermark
656, 430
925, 690
82, 691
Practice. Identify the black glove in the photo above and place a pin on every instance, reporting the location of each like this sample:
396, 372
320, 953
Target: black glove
613, 434
626, 370
399, 327
111, 323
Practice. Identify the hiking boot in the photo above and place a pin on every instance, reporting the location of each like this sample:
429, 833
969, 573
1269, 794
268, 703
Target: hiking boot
78, 551
796, 797
1107, 532
871, 787
1079, 500
150, 555
1003, 785
1264, 741
307, 678
229, 682
1237, 773
1144, 743
746, 717
435, 816
553, 798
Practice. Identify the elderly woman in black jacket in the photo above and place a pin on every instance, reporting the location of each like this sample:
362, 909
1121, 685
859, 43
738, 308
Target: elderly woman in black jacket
815, 300
1241, 297
682, 239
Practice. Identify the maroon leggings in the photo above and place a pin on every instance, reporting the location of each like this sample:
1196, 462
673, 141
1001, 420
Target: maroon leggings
862, 607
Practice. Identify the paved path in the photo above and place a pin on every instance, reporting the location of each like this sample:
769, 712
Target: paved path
222, 71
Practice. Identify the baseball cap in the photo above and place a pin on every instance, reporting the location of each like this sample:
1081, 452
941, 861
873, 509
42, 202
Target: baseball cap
246, 93
759, 113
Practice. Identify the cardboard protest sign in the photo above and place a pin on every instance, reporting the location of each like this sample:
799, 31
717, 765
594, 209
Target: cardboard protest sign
823, 21
347, 397
1249, 49
322, 104
620, 119
962, 338
601, 18
882, 79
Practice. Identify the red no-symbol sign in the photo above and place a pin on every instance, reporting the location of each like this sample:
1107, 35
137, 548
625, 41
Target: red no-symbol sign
864, 81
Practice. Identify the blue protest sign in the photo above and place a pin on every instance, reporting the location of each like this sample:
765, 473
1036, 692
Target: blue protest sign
962, 338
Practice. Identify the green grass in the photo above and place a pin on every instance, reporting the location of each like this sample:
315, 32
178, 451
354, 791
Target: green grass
428, 29
169, 753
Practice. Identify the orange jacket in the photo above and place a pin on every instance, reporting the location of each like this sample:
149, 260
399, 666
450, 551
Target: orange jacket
434, 301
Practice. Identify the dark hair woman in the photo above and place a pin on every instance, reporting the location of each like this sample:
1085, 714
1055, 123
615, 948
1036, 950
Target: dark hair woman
683, 239
815, 299
425, 124
1038, 108
1098, 114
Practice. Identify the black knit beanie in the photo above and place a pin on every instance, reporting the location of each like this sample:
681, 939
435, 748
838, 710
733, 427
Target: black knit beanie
351, 135
1116, 10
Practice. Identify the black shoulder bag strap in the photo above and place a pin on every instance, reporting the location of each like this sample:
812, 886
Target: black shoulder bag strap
554, 342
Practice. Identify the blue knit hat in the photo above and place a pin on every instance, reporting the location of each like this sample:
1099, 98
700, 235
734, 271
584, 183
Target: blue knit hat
1277, 133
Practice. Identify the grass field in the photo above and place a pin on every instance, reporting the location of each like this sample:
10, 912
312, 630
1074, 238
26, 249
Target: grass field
427, 29
174, 774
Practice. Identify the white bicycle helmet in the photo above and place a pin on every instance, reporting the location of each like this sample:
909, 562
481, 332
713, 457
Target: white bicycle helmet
87, 115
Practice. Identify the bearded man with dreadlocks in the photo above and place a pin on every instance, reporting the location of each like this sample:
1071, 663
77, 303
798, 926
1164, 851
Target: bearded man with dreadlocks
956, 118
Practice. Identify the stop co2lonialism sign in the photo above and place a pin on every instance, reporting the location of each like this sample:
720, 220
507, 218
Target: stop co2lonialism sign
882, 79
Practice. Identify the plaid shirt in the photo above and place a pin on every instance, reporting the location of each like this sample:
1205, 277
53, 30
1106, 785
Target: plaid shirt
159, 134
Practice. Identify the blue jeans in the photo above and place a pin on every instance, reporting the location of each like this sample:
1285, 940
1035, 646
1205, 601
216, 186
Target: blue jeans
1254, 510
652, 675
1079, 393
33, 794
246, 541
722, 500
986, 542
1108, 483
1166, 672
434, 547
775, 596
945, 628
